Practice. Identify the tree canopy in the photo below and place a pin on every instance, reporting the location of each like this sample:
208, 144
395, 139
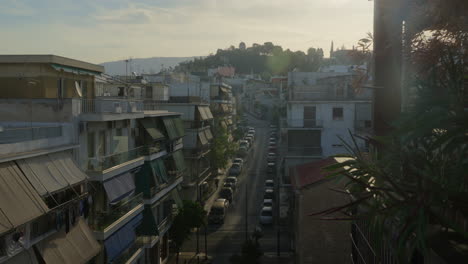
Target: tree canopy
267, 59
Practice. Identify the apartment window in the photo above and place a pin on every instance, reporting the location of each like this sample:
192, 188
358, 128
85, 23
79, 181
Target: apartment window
337, 113
60, 88
91, 144
367, 124
339, 91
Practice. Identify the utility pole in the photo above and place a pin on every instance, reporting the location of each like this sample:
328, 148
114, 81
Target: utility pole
246, 215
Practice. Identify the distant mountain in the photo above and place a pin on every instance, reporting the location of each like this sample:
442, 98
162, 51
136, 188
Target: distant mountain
143, 65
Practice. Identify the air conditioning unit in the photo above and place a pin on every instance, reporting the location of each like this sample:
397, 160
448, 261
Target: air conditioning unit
117, 108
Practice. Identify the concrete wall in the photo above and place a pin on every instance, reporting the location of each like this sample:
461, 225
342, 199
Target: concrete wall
188, 111
39, 81
332, 129
321, 241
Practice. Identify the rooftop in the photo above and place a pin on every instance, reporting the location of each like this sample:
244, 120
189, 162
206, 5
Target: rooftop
51, 59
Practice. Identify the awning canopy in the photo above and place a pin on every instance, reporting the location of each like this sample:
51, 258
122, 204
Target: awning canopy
179, 160
202, 138
52, 172
73, 70
151, 128
202, 112
19, 202
223, 124
176, 197
159, 171
208, 134
229, 121
122, 238
174, 127
119, 187
224, 89
76, 246
208, 112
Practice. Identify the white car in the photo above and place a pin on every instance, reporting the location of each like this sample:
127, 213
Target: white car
238, 161
269, 184
266, 216
268, 203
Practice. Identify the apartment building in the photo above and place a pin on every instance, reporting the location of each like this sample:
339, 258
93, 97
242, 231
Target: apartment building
129, 162
223, 106
323, 109
44, 196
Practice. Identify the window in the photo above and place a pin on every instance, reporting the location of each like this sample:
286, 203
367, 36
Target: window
337, 113
367, 124
60, 88
91, 143
339, 91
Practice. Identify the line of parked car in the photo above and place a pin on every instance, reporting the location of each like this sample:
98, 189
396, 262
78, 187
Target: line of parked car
220, 206
266, 214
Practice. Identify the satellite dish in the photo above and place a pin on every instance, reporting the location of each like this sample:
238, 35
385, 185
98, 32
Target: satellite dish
78, 89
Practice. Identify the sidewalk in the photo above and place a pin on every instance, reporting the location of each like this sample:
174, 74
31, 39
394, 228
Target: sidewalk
209, 202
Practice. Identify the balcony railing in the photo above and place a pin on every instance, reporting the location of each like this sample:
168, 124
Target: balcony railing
111, 106
101, 220
363, 125
301, 123
155, 148
106, 162
130, 251
304, 151
19, 134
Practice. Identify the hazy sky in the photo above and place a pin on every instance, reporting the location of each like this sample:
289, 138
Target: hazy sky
105, 30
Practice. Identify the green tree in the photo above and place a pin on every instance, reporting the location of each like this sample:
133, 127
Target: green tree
191, 215
221, 148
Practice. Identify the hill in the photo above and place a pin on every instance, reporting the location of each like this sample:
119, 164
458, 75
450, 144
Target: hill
143, 65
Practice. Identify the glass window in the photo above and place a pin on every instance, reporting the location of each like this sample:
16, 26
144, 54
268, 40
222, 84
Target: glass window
337, 113
91, 144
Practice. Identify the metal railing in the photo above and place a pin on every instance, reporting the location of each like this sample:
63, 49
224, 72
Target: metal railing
301, 123
130, 251
100, 220
152, 149
106, 162
111, 106
19, 134
304, 151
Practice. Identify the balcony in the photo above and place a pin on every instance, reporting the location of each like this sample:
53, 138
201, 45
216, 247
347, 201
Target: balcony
157, 192
111, 220
106, 167
301, 123
132, 253
108, 109
304, 151
321, 94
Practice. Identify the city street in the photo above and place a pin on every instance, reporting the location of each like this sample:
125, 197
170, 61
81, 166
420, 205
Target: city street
226, 240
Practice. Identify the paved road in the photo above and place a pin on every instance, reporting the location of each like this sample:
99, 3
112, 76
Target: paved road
226, 240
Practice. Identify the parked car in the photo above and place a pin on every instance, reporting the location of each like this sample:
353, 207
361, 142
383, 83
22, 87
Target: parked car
266, 216
271, 167
272, 149
231, 182
235, 170
269, 194
249, 139
271, 145
271, 157
218, 211
238, 161
269, 184
226, 193
244, 143
267, 203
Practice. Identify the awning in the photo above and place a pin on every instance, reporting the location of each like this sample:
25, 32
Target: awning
176, 197
179, 160
224, 89
119, 187
208, 134
229, 121
18, 200
179, 124
73, 70
208, 112
225, 108
151, 128
122, 238
202, 112
224, 124
202, 139
76, 246
26, 256
159, 171
52, 172
170, 128
148, 225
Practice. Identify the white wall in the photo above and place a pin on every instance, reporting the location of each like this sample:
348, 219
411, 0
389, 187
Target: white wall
332, 129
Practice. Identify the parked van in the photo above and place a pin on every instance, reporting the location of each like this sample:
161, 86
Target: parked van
218, 211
